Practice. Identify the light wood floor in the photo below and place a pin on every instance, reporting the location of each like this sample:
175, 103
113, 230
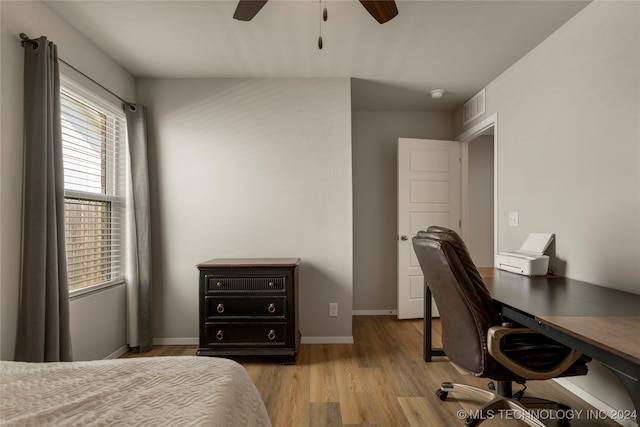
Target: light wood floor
381, 380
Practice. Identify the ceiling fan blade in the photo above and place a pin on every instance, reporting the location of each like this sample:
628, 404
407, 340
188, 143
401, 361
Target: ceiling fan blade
381, 10
247, 9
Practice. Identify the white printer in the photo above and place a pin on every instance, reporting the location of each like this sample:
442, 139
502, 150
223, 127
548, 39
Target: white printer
529, 260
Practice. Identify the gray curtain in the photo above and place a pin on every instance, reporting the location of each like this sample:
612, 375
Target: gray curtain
141, 227
43, 319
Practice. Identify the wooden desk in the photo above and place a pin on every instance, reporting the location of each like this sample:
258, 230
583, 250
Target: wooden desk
618, 335
602, 323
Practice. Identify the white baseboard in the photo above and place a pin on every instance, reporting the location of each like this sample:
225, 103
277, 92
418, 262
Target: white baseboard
119, 352
326, 340
176, 341
600, 406
375, 312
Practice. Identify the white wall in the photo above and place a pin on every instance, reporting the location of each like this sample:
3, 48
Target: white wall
375, 196
35, 19
569, 153
251, 168
99, 324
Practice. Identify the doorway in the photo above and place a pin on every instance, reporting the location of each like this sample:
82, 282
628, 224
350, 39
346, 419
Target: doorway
477, 194
480, 191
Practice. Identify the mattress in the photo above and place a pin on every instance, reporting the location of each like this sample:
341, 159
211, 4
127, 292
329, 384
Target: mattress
153, 391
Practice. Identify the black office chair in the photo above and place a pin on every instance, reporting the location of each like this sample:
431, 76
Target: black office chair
476, 339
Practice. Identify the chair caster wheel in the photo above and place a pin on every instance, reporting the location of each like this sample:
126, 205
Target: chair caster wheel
563, 417
471, 421
442, 395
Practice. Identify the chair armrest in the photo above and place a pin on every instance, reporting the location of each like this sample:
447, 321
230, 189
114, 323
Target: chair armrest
495, 336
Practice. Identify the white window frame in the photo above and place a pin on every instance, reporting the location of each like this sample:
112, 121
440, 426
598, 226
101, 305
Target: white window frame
115, 182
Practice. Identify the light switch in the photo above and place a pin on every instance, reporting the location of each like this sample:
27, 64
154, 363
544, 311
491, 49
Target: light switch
513, 219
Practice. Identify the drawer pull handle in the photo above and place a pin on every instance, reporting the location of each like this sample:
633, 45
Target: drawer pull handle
272, 335
220, 308
271, 308
271, 285
219, 284
219, 335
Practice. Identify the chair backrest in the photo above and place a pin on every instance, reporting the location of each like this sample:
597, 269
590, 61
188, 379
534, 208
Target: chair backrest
464, 302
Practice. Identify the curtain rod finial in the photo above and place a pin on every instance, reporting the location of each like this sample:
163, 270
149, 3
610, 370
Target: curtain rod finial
24, 39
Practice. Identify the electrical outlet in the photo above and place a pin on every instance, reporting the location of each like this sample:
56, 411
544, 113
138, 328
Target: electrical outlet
513, 219
333, 309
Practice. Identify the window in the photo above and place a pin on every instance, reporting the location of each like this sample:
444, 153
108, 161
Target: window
93, 144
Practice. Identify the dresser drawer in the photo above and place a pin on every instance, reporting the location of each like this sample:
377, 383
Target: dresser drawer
216, 283
217, 307
245, 334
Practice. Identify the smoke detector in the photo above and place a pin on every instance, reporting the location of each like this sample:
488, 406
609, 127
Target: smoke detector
436, 93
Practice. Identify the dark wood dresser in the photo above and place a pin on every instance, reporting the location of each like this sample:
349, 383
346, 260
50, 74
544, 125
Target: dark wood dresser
248, 306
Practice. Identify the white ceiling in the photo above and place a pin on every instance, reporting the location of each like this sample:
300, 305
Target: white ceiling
458, 46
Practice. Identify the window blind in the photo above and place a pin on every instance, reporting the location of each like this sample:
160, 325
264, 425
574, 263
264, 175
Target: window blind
93, 144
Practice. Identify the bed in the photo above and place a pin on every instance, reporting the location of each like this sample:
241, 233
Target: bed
154, 391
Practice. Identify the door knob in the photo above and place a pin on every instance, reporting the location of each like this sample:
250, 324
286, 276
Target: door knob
403, 237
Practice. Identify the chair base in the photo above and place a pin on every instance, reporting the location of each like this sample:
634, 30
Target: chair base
521, 408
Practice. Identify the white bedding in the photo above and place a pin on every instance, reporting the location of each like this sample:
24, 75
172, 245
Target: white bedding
148, 391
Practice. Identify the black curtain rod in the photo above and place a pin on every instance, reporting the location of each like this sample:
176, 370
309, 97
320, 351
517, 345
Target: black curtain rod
26, 39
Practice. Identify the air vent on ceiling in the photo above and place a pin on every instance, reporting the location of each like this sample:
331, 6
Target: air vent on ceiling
473, 108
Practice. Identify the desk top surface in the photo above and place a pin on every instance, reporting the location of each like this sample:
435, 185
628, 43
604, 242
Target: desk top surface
617, 334
558, 296
605, 317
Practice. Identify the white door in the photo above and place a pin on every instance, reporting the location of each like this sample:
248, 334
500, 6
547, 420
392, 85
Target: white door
429, 193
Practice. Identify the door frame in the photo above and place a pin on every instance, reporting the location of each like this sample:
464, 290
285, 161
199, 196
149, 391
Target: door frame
465, 138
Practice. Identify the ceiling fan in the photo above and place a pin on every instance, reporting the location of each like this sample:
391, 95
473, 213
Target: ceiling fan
381, 10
